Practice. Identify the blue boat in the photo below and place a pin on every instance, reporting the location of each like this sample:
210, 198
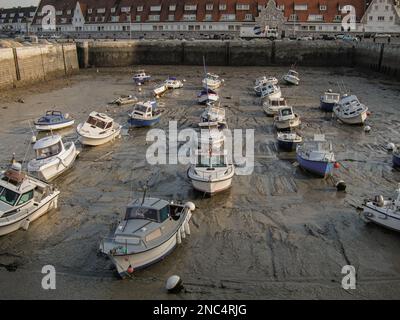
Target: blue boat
396, 159
53, 120
288, 141
144, 114
141, 77
316, 156
329, 100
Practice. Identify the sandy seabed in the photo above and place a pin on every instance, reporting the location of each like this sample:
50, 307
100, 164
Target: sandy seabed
279, 233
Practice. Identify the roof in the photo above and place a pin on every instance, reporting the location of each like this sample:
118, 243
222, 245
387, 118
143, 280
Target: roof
17, 11
101, 116
47, 142
154, 203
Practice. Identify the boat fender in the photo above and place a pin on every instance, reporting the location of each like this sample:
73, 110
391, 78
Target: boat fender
174, 284
25, 224
130, 269
379, 201
367, 129
178, 237
33, 139
182, 230
390, 146
341, 185
190, 205
187, 227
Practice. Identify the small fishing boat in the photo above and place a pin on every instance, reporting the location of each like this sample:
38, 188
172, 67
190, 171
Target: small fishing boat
262, 80
212, 81
383, 212
211, 173
53, 157
23, 199
140, 76
350, 110
213, 114
160, 90
292, 77
53, 120
316, 156
98, 129
271, 91
286, 119
272, 105
328, 100
288, 141
396, 158
150, 231
173, 83
124, 100
144, 114
207, 96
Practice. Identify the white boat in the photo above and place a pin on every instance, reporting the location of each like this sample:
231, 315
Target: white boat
212, 81
150, 231
262, 80
288, 141
160, 90
207, 96
53, 120
98, 129
286, 119
211, 173
270, 91
53, 157
272, 105
383, 212
213, 114
349, 110
173, 83
124, 100
23, 199
140, 76
292, 77
328, 100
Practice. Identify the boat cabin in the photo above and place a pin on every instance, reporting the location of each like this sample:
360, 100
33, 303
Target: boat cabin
286, 113
48, 147
293, 73
52, 117
277, 102
144, 109
100, 120
212, 76
331, 97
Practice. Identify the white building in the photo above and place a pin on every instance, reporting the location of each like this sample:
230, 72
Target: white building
382, 16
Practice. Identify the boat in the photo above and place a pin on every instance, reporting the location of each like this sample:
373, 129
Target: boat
150, 230
316, 156
350, 110
98, 129
270, 91
261, 80
140, 76
292, 77
211, 173
207, 96
53, 120
384, 212
53, 157
144, 114
124, 100
288, 141
23, 199
212, 81
211, 131
173, 83
396, 158
160, 90
272, 105
213, 114
328, 100
286, 119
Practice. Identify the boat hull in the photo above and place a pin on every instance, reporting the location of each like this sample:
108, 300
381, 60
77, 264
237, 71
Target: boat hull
291, 80
358, 119
56, 166
287, 124
58, 126
94, 141
143, 122
49, 203
327, 106
319, 168
376, 215
396, 160
287, 145
210, 186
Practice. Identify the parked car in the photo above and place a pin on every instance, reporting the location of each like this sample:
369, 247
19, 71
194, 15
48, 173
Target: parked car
305, 38
328, 37
382, 35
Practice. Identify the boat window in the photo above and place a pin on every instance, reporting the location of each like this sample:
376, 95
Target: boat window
25, 197
141, 213
44, 119
286, 112
213, 161
109, 125
48, 151
55, 120
164, 213
92, 121
8, 196
141, 108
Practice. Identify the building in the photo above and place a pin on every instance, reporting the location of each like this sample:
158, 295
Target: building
382, 16
17, 19
116, 18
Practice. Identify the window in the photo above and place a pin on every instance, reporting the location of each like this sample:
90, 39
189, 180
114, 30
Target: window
63, 20
21, 14
189, 17
209, 7
190, 7
387, 8
228, 17
138, 18
126, 9
315, 17
260, 7
391, 18
101, 10
242, 6
300, 7
370, 18
172, 7
141, 212
114, 18
208, 17
248, 17
68, 12
139, 8
59, 13
222, 7
8, 196
90, 10
171, 17
322, 7
337, 18
155, 8
113, 10
293, 17
25, 198
381, 18
154, 17
281, 7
